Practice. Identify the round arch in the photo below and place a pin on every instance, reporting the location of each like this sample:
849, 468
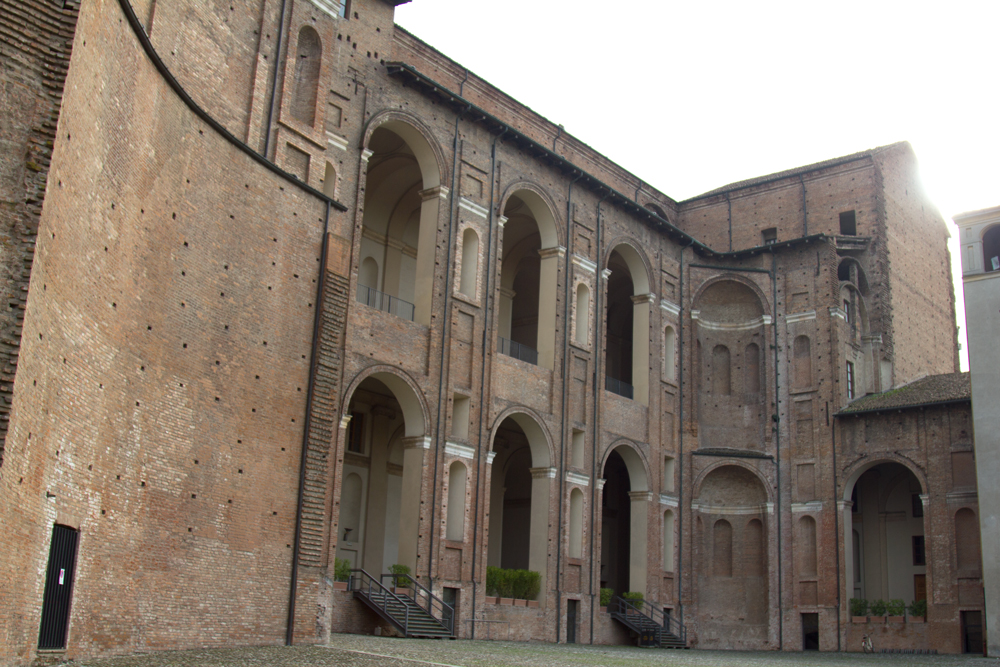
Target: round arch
404, 388
433, 167
699, 480
858, 468
541, 206
732, 277
635, 463
636, 260
862, 284
538, 436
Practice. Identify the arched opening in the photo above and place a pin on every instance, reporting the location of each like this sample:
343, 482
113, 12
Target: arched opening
455, 528
624, 520
576, 523
400, 221
991, 249
669, 354
308, 58
729, 335
732, 572
470, 263
528, 273
520, 487
381, 476
368, 273
582, 321
627, 326
884, 532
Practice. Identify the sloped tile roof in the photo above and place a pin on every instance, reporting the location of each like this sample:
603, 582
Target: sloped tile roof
930, 390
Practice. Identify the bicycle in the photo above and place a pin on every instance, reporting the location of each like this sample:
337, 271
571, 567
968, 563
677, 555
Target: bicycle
866, 644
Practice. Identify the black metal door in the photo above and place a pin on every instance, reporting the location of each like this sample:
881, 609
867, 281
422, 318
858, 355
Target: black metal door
972, 632
58, 588
571, 612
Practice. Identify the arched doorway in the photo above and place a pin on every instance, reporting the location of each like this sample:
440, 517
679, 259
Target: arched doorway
520, 488
627, 331
381, 476
624, 519
884, 534
528, 275
731, 559
400, 223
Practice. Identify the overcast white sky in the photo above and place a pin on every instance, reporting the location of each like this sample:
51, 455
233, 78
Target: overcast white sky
692, 95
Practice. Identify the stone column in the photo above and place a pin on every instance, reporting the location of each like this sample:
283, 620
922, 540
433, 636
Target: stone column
638, 541
538, 548
548, 278
640, 346
409, 511
430, 211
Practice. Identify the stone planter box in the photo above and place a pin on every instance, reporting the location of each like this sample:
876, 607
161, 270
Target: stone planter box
490, 600
855, 619
916, 619
520, 603
507, 601
896, 619
339, 585
533, 604
603, 610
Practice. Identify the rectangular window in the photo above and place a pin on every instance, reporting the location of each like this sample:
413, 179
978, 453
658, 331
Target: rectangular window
918, 550
847, 311
917, 505
355, 433
850, 381
848, 224
769, 235
345, 9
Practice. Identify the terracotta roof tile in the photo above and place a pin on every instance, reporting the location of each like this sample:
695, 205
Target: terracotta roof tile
930, 390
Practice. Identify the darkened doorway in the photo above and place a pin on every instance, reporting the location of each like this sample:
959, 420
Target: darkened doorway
972, 632
572, 607
58, 588
617, 520
810, 632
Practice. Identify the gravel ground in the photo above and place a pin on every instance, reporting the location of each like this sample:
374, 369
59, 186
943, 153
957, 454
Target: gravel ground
364, 651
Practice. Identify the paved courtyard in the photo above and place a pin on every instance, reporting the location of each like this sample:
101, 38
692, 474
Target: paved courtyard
364, 651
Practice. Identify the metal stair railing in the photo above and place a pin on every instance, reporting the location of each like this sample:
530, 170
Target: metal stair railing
642, 615
364, 584
424, 599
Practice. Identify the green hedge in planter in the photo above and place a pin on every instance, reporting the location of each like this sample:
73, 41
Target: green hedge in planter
633, 597
341, 569
398, 568
918, 608
606, 594
896, 607
879, 607
859, 607
518, 584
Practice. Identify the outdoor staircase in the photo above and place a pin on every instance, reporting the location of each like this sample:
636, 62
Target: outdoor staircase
405, 604
651, 626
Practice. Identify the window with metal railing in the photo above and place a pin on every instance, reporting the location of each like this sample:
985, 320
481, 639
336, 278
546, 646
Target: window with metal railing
386, 303
616, 386
514, 349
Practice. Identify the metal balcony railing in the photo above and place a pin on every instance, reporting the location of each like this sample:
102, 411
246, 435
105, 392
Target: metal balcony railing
386, 303
616, 386
517, 350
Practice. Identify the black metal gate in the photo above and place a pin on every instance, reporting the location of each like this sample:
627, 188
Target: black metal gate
58, 588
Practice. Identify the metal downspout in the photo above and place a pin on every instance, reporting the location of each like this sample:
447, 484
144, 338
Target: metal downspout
805, 213
290, 625
274, 80
836, 513
680, 443
486, 357
445, 327
598, 292
562, 409
776, 418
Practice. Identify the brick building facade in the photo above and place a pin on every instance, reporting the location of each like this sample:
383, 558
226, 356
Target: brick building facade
304, 288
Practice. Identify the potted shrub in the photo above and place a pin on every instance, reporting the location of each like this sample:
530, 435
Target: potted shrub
402, 571
918, 611
493, 574
896, 608
878, 609
606, 594
859, 610
634, 597
341, 573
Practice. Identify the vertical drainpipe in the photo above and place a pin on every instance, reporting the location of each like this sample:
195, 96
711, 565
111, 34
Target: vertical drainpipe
598, 292
445, 329
805, 214
776, 418
680, 442
321, 285
729, 218
836, 511
274, 81
487, 294
561, 483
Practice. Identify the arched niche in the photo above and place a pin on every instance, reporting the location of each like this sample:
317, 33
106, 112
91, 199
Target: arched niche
625, 506
305, 75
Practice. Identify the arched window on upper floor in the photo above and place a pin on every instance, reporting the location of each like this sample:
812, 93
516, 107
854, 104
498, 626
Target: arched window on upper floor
470, 263
308, 57
582, 322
